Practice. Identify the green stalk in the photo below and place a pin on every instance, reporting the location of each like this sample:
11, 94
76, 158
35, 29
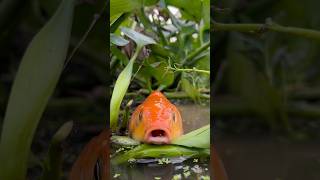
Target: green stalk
120, 89
269, 26
195, 53
159, 151
35, 81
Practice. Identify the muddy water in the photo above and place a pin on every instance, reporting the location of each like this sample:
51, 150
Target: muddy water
194, 116
269, 159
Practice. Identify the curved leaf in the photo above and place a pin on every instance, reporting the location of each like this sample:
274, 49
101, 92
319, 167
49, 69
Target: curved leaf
118, 40
35, 81
159, 151
118, 93
140, 39
122, 6
199, 138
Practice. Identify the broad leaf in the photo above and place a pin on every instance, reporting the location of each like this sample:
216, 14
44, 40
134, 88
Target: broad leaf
140, 39
199, 138
118, 93
118, 40
121, 6
124, 141
159, 151
192, 92
34, 83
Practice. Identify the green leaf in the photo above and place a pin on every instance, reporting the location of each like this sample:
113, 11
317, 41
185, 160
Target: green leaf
150, 2
118, 7
124, 78
159, 151
34, 83
124, 141
206, 14
199, 138
190, 8
54, 160
118, 53
159, 71
192, 92
118, 40
118, 93
140, 39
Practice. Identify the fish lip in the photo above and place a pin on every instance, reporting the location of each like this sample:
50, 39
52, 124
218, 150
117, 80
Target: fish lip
157, 140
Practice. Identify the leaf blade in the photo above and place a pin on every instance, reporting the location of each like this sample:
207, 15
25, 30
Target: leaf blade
35, 81
199, 138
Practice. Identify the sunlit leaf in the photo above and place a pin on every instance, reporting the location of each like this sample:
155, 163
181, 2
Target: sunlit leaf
190, 89
122, 6
159, 71
190, 8
34, 83
124, 141
199, 138
118, 93
118, 40
140, 39
159, 151
117, 52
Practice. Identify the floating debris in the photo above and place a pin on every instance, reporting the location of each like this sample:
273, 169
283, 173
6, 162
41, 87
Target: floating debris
197, 169
186, 174
132, 160
205, 177
116, 175
177, 177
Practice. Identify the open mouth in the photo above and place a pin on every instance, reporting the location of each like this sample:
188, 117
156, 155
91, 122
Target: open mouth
157, 136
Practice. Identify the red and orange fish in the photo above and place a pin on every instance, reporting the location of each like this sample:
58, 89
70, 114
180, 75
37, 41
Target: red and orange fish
155, 121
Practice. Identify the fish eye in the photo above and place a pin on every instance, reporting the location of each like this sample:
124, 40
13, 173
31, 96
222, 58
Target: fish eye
140, 116
174, 116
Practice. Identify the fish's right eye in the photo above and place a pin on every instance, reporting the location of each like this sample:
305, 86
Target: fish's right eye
140, 116
174, 116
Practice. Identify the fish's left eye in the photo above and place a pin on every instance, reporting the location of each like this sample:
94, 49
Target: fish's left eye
140, 116
174, 116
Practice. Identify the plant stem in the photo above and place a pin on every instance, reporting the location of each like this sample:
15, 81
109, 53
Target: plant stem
170, 95
235, 107
268, 26
195, 53
190, 70
84, 37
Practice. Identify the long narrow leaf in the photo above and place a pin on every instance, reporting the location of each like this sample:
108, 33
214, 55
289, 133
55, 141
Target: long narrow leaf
35, 81
118, 93
123, 81
159, 151
199, 138
122, 6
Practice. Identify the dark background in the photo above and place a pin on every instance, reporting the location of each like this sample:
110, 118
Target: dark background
80, 95
266, 91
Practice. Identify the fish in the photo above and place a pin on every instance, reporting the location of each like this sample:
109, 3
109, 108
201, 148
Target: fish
156, 120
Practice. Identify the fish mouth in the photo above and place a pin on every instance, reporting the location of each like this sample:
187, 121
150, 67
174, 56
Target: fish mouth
157, 136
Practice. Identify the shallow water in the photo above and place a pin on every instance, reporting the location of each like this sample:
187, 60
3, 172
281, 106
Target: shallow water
194, 117
190, 169
269, 159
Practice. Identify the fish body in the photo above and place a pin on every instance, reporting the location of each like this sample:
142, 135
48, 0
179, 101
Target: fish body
156, 120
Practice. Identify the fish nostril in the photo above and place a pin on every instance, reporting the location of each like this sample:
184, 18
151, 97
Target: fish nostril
158, 133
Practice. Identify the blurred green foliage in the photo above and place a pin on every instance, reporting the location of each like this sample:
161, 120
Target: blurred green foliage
79, 95
272, 76
181, 33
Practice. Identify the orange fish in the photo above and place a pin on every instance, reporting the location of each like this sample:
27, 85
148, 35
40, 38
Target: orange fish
156, 120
